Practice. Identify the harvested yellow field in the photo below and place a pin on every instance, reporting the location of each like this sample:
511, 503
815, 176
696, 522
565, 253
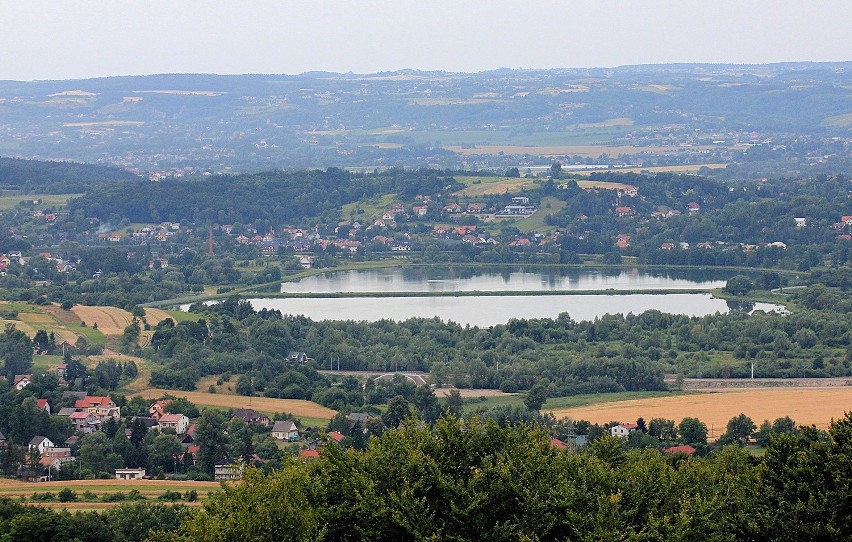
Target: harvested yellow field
111, 320
268, 405
500, 187
805, 406
38, 320
155, 316
603, 185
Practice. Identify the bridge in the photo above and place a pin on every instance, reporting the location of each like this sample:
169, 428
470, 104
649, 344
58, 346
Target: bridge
419, 378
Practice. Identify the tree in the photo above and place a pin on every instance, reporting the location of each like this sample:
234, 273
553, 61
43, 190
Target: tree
397, 412
739, 285
454, 404
210, 437
740, 429
555, 169
662, 429
536, 397
693, 431
16, 351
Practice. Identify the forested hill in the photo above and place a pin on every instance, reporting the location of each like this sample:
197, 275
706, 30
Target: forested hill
275, 196
57, 177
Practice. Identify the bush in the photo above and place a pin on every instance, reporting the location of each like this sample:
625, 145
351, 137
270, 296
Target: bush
508, 386
67, 495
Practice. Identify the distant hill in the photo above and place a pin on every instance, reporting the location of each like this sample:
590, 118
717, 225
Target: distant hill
174, 123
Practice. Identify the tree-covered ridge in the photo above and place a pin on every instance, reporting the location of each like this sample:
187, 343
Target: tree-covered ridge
278, 198
58, 177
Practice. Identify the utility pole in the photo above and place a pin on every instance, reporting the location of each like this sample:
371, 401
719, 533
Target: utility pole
752, 370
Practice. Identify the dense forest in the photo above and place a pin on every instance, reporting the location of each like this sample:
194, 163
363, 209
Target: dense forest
32, 176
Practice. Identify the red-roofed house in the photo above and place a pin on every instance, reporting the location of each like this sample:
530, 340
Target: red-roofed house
623, 211
682, 449
623, 430
43, 405
308, 454
557, 444
336, 436
22, 381
95, 401
158, 408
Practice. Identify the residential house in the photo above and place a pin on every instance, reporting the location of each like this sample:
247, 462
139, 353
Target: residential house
228, 469
623, 211
667, 246
178, 422
43, 405
129, 474
800, 222
85, 422
420, 210
249, 415
336, 436
623, 241
298, 357
22, 381
158, 408
452, 208
682, 449
623, 430
304, 455
62, 370
285, 430
693, 207
557, 444
40, 444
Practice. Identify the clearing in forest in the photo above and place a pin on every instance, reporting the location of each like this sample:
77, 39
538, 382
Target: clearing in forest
804, 406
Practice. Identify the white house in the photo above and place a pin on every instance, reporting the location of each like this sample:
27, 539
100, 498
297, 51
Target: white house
129, 474
285, 430
623, 430
41, 444
178, 422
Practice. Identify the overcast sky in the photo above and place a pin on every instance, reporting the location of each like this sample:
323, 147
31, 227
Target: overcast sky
63, 39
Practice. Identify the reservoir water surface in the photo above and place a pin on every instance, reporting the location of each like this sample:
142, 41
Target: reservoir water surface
486, 310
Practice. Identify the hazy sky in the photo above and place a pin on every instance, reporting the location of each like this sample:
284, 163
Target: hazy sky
62, 39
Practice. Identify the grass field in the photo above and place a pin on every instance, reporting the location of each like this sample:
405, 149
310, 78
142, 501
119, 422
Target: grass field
492, 185
150, 489
373, 208
805, 406
536, 222
267, 405
10, 201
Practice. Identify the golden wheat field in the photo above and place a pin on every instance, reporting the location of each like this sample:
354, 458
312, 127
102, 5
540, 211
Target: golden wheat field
805, 406
111, 320
268, 405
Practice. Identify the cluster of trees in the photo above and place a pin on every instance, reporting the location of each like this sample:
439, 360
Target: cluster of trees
475, 480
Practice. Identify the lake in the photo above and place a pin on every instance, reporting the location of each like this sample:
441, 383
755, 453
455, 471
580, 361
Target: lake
515, 279
486, 310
